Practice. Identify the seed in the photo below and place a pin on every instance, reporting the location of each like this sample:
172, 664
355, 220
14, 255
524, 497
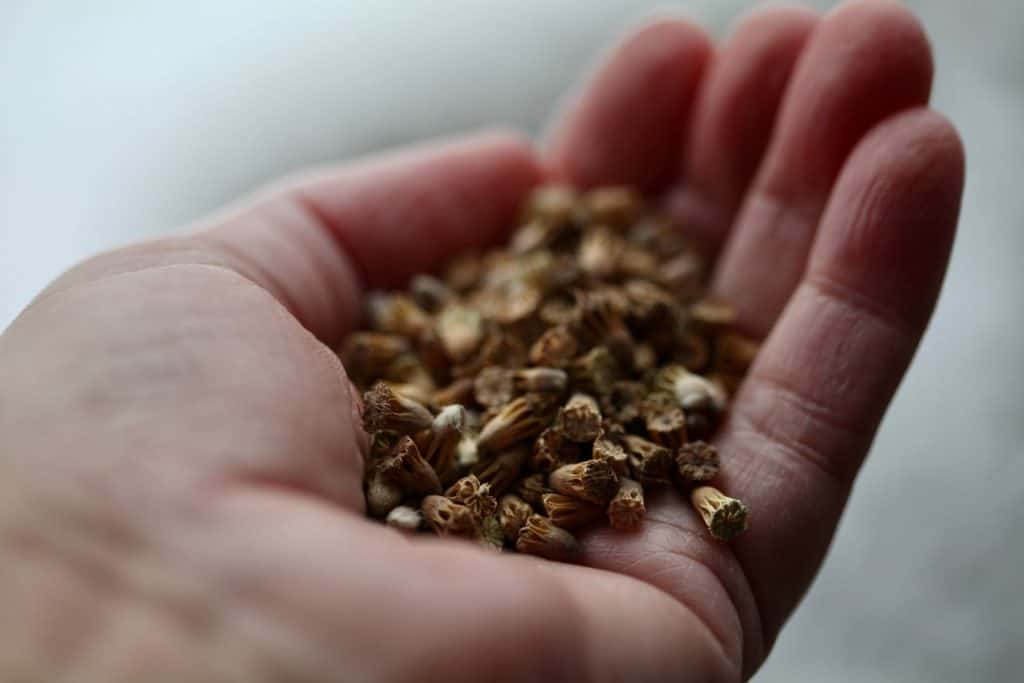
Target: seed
493, 386
532, 489
570, 513
724, 517
384, 408
460, 391
734, 353
397, 314
410, 470
460, 329
664, 420
542, 380
607, 447
382, 494
477, 497
539, 536
626, 510
502, 471
431, 293
595, 372
513, 512
617, 206
447, 517
591, 480
368, 355
697, 461
712, 315
554, 348
519, 419
580, 418
649, 463
552, 450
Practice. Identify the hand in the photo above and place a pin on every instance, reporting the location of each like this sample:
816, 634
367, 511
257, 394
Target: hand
180, 468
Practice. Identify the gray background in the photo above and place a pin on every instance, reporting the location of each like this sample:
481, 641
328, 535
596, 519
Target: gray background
119, 122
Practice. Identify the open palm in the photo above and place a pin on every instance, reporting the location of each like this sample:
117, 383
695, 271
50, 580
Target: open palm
181, 475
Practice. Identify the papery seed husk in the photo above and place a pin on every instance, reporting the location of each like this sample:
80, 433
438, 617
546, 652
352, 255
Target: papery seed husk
541, 537
570, 513
447, 517
697, 461
591, 480
626, 509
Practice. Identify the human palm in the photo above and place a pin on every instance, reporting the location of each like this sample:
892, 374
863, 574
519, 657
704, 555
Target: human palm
181, 468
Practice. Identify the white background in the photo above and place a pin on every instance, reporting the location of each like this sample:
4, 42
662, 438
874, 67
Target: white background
119, 122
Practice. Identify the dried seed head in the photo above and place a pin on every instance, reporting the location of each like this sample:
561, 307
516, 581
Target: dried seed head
697, 461
382, 494
440, 442
591, 480
519, 419
568, 512
683, 275
405, 518
693, 392
409, 469
446, 517
460, 391
502, 471
493, 386
513, 512
551, 450
626, 511
664, 420
477, 497
396, 314
461, 330
368, 355
734, 353
464, 271
580, 418
553, 203
649, 463
616, 206
725, 517
607, 447
599, 251
539, 536
541, 380
532, 488
555, 348
595, 372
430, 293
384, 408
598, 321
711, 315
623, 401
412, 392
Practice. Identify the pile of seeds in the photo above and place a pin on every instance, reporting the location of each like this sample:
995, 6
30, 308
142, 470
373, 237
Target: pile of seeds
536, 389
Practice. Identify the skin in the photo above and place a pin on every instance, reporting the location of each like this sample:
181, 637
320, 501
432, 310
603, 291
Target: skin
179, 452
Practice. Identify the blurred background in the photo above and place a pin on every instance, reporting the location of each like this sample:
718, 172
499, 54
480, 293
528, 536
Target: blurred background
121, 120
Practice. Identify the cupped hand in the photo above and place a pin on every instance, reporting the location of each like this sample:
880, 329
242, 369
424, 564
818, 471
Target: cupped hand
180, 467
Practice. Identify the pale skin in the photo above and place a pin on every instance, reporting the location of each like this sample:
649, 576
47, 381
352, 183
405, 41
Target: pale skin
180, 468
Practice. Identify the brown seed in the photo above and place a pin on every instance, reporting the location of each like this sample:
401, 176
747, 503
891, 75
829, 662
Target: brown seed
595, 372
616, 206
557, 311
477, 497
513, 512
551, 450
431, 293
460, 329
407, 468
384, 408
368, 355
493, 386
626, 510
664, 420
554, 203
502, 471
532, 489
599, 251
649, 463
682, 275
396, 314
711, 315
622, 403
539, 536
724, 517
382, 494
464, 271
517, 420
697, 461
570, 513
734, 353
446, 517
607, 447
541, 380
591, 480
460, 391
554, 348
599, 322
580, 418
692, 391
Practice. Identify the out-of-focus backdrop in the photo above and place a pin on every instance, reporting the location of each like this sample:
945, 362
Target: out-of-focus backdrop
121, 120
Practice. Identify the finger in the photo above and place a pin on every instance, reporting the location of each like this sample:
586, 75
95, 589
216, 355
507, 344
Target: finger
864, 62
734, 117
368, 595
626, 125
319, 240
806, 415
